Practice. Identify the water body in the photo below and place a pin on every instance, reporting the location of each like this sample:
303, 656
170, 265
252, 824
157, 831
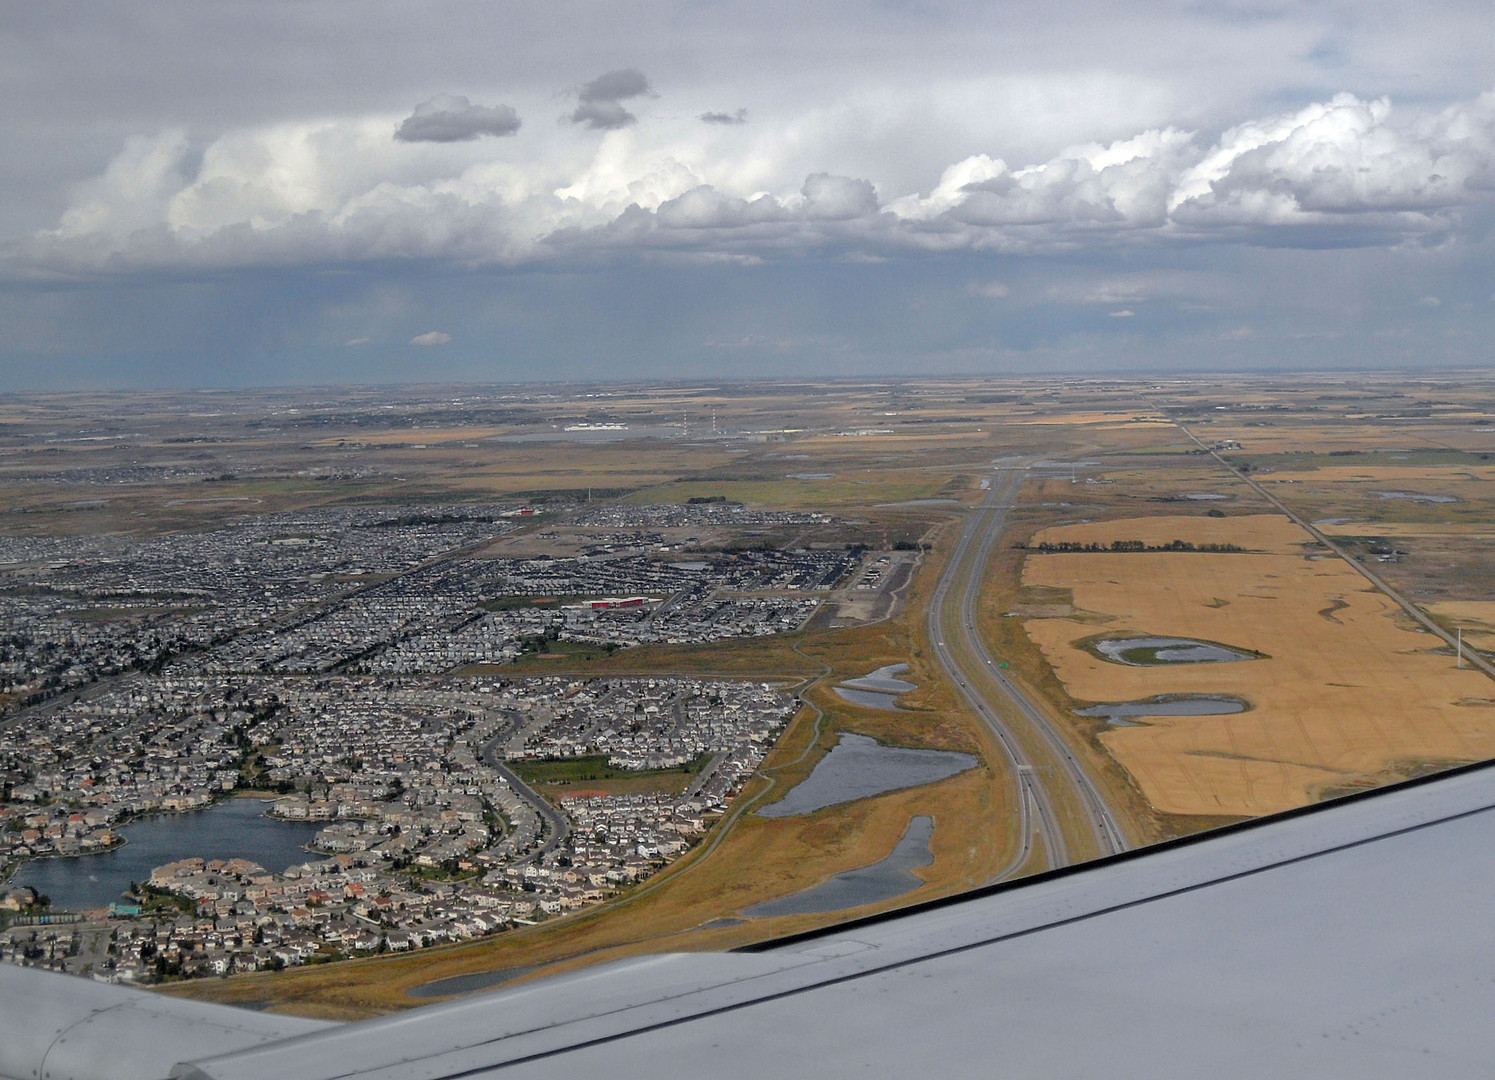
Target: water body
1143, 651
1415, 496
811, 475
236, 829
466, 984
1204, 496
878, 690
858, 767
884, 880
883, 679
871, 699
1117, 712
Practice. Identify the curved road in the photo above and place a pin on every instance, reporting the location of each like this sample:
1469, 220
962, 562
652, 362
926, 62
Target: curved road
555, 821
1046, 767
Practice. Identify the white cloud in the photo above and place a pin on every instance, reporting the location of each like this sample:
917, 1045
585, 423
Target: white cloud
432, 337
1344, 171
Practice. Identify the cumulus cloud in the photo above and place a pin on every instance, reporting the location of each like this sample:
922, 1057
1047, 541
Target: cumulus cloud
431, 337
599, 104
446, 118
739, 117
1345, 171
1340, 161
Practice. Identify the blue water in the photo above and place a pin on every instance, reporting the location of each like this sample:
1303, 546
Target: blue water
236, 829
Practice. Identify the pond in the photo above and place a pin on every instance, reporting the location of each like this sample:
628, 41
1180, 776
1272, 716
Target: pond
1117, 712
858, 767
1145, 651
877, 690
236, 829
883, 679
883, 880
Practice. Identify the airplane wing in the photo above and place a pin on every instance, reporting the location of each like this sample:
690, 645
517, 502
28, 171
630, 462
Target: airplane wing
1352, 939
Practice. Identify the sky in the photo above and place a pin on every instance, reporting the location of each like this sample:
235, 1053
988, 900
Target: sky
268, 192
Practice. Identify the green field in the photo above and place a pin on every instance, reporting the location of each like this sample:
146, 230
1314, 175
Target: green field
594, 767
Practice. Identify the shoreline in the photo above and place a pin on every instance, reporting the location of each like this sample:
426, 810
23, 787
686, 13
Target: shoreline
8, 879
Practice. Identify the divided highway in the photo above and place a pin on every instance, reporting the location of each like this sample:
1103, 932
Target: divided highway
1048, 773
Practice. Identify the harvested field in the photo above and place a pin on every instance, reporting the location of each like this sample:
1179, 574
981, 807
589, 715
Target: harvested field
1347, 694
1475, 617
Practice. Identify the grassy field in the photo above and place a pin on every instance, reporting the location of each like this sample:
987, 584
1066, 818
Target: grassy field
1348, 695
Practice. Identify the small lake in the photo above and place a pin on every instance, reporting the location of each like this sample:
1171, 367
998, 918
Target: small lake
859, 767
1144, 651
883, 880
1117, 712
878, 690
236, 829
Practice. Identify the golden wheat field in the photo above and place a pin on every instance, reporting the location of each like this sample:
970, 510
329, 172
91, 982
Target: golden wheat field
1345, 690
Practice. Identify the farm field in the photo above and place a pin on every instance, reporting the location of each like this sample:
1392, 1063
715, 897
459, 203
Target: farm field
1345, 695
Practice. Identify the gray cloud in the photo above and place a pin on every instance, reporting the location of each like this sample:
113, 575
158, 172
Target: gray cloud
739, 117
838, 198
446, 118
432, 337
602, 115
617, 85
599, 101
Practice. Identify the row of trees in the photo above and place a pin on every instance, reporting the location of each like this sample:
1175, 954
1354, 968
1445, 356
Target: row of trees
1129, 545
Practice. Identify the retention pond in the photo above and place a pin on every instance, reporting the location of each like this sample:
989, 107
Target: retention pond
883, 880
858, 767
1146, 651
1119, 712
877, 690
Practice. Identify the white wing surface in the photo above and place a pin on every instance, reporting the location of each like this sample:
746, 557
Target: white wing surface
1354, 939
